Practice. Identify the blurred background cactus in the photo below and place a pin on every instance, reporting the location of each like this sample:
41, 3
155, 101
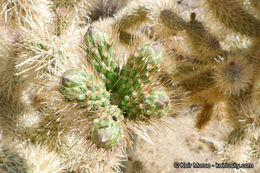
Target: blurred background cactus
213, 53
80, 78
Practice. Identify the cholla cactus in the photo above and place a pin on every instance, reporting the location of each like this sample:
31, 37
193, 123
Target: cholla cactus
85, 88
67, 80
214, 64
128, 85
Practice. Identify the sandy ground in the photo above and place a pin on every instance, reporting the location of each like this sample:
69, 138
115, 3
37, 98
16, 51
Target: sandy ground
179, 143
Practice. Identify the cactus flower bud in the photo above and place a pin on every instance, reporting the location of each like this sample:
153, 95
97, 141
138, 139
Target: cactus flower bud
106, 132
152, 52
95, 36
73, 84
157, 103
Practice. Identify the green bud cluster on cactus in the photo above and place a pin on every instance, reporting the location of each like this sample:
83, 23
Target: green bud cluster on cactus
127, 83
107, 131
78, 85
131, 97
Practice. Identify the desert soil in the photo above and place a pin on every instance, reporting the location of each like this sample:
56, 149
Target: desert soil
180, 142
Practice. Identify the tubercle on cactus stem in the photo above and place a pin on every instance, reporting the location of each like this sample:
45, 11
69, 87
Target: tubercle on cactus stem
106, 132
77, 84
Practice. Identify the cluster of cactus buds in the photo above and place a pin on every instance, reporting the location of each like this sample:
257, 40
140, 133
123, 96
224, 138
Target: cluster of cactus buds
128, 83
78, 85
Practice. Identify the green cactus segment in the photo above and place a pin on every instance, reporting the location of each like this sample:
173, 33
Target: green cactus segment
138, 70
107, 131
131, 89
145, 106
83, 87
132, 106
104, 61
